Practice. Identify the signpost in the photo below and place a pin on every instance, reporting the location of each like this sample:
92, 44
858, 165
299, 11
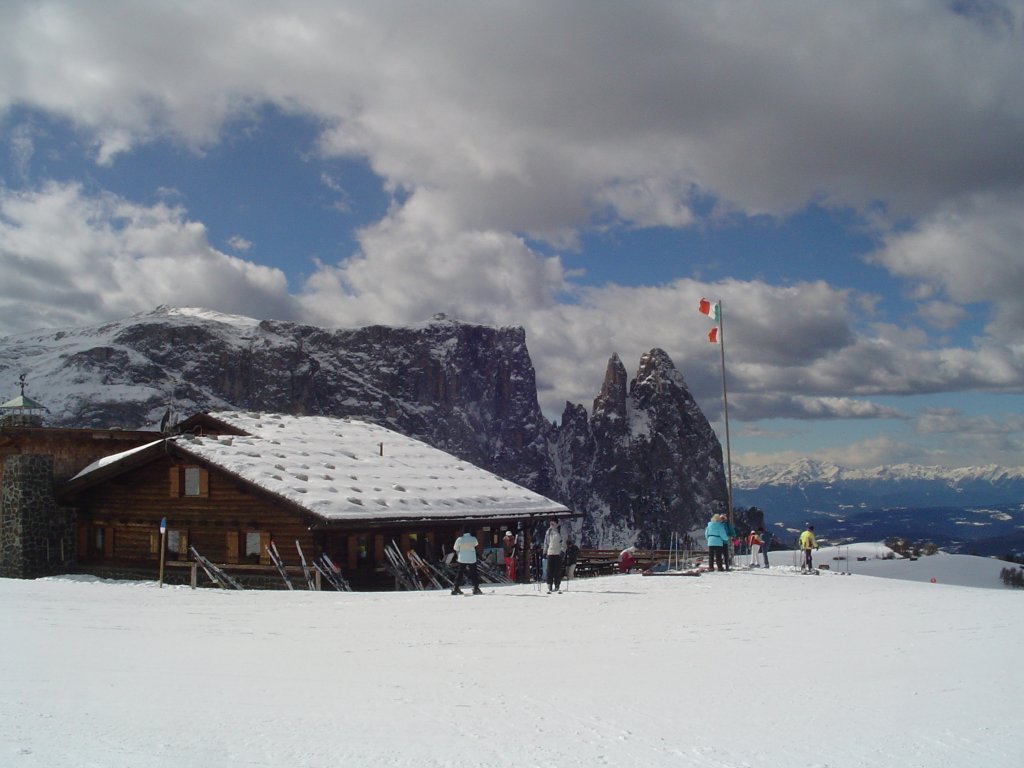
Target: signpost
163, 548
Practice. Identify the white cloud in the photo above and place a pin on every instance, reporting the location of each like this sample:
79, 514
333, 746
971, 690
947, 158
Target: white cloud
937, 421
68, 258
990, 439
22, 148
941, 314
969, 251
755, 406
239, 243
867, 453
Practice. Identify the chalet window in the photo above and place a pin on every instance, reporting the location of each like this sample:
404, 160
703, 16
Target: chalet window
253, 546
177, 544
189, 481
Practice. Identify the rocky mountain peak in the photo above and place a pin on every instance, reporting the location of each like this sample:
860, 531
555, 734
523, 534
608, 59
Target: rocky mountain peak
645, 464
611, 402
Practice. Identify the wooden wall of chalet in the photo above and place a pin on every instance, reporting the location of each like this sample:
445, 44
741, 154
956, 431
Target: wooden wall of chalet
230, 523
72, 449
118, 520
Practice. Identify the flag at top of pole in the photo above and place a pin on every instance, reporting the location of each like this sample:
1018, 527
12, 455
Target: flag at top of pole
711, 309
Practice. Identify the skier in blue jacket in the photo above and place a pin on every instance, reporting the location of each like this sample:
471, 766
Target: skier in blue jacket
717, 536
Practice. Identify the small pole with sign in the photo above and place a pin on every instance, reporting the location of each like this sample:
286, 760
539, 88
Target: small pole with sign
163, 548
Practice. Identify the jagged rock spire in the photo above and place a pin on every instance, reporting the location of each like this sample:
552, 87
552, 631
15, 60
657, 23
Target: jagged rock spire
612, 400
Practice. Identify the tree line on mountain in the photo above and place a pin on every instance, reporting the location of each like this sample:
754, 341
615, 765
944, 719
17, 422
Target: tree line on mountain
905, 548
1013, 577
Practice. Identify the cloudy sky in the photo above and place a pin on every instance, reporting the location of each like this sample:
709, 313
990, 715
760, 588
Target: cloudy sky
847, 178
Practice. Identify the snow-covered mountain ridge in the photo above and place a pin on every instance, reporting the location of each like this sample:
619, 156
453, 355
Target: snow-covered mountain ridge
806, 471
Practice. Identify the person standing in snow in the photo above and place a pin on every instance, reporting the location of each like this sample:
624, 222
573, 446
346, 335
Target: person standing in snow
572, 554
510, 555
807, 544
766, 543
717, 536
465, 551
754, 542
732, 543
554, 546
536, 559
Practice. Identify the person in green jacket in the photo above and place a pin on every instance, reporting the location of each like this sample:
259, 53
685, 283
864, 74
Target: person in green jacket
807, 544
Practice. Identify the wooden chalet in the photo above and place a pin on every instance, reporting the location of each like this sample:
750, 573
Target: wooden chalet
230, 483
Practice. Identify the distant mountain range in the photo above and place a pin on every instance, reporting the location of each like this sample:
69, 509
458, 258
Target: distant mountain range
966, 509
807, 471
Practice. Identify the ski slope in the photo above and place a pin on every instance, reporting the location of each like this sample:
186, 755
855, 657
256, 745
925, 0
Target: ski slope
749, 668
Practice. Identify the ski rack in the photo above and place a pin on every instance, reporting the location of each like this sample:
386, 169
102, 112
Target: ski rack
216, 575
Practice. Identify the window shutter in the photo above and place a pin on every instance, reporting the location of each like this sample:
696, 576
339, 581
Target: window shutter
232, 546
83, 541
175, 477
204, 485
264, 544
183, 546
108, 542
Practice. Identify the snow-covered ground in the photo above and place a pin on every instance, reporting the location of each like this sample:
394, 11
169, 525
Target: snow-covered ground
868, 559
750, 668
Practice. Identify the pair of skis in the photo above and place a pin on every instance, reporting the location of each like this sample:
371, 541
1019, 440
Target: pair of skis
332, 573
326, 567
216, 574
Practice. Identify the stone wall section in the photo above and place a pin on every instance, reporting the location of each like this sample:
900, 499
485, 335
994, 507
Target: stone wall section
37, 538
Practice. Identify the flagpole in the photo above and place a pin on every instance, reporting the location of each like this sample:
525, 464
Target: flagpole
725, 410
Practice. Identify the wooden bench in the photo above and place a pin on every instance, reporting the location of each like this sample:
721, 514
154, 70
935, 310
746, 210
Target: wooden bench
605, 562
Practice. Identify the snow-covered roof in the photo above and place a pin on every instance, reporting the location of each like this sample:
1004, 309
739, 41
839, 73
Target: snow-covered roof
342, 469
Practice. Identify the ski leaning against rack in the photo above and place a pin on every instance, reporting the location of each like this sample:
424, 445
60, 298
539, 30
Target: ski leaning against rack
275, 558
310, 581
423, 567
216, 574
398, 568
332, 573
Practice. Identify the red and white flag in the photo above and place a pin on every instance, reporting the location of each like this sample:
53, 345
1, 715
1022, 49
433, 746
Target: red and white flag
713, 335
